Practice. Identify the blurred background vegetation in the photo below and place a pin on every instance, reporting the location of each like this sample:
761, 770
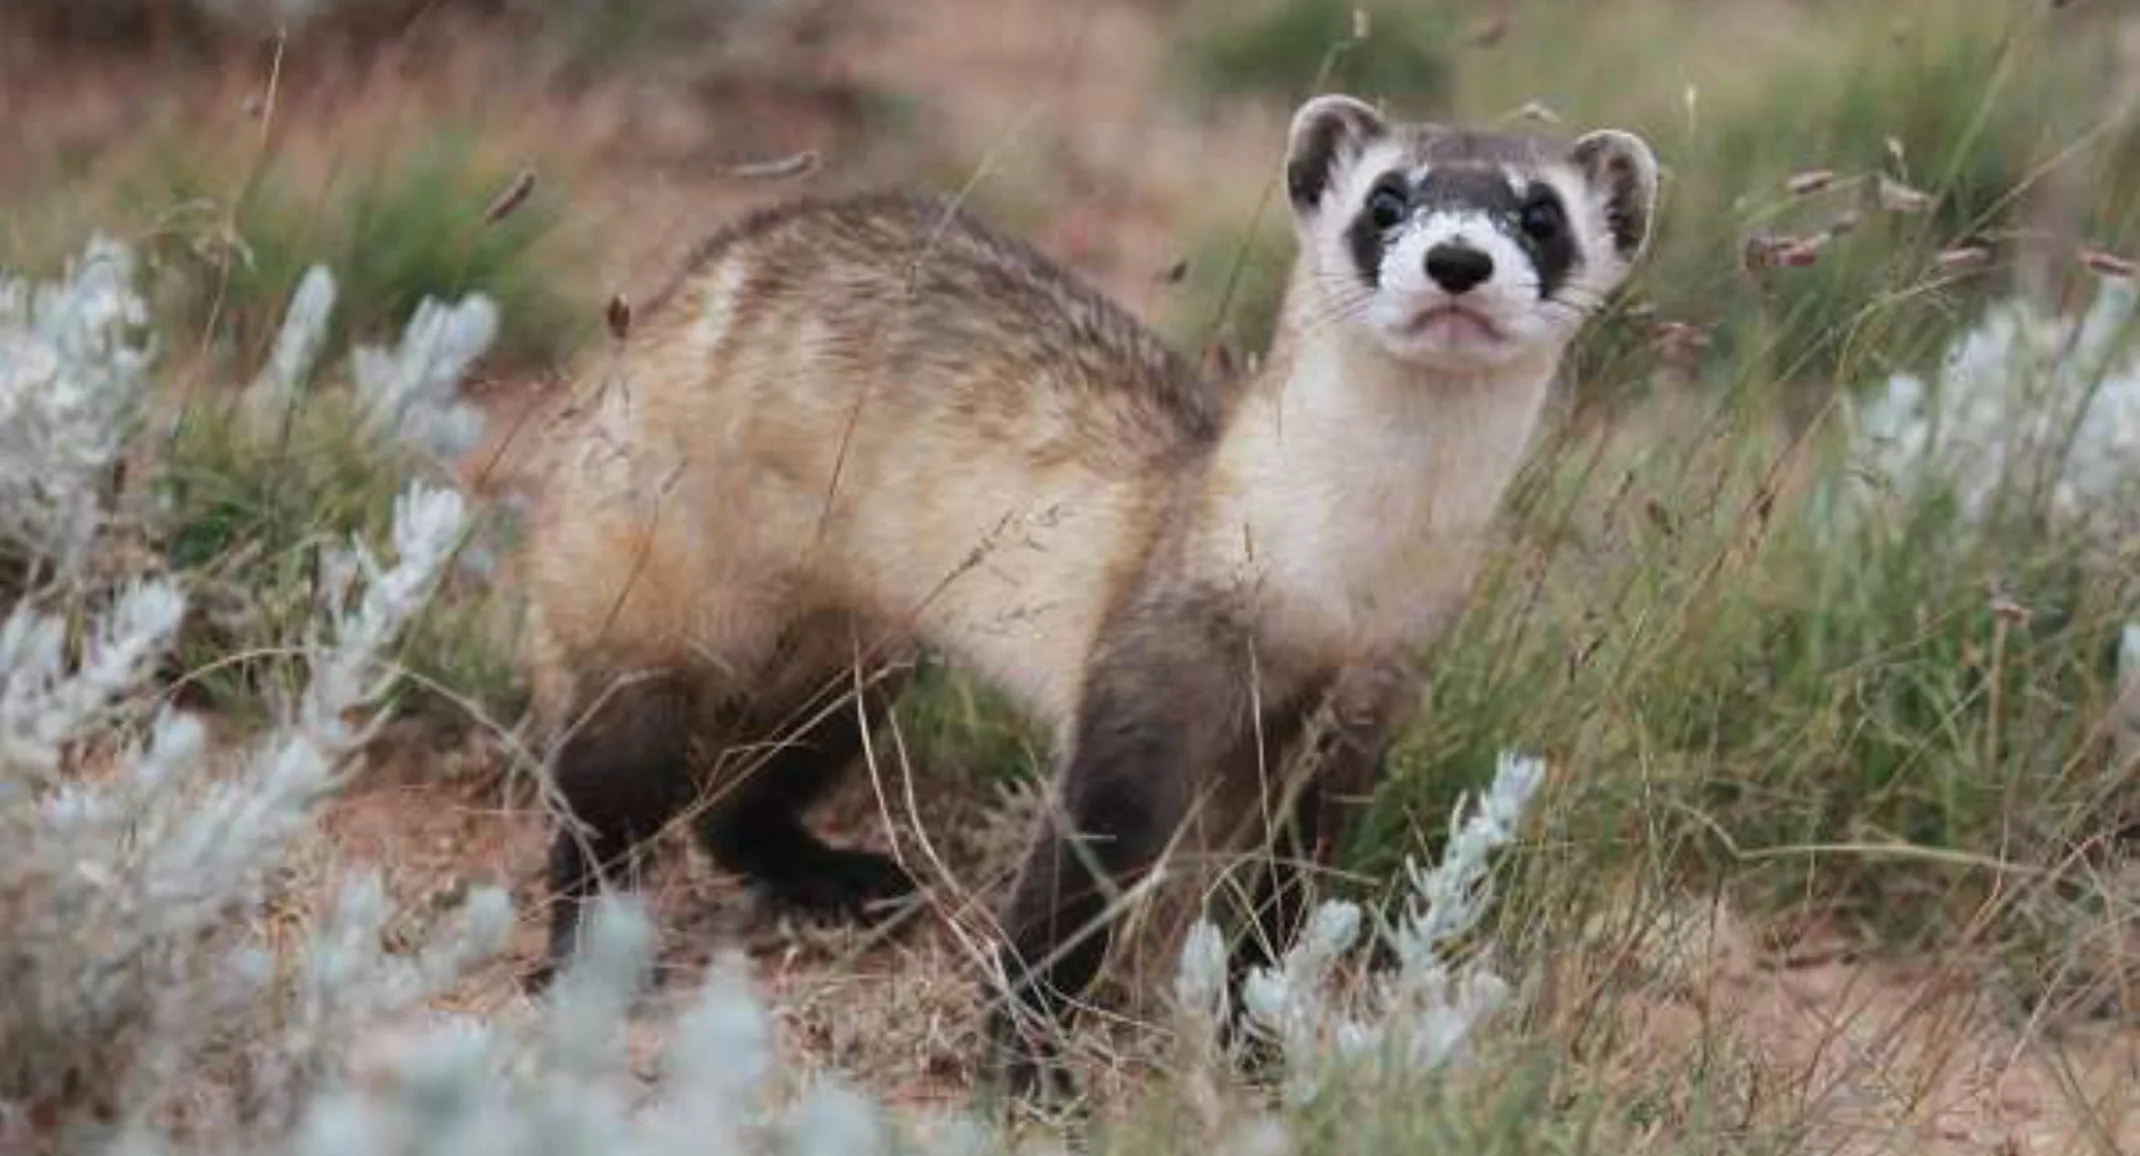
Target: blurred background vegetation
1885, 723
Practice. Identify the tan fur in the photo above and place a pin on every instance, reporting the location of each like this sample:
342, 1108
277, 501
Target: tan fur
856, 429
718, 487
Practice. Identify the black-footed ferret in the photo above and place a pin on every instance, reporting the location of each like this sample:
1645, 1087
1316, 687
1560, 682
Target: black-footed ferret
856, 428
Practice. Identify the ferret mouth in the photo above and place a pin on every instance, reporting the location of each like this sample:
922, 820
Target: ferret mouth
1456, 322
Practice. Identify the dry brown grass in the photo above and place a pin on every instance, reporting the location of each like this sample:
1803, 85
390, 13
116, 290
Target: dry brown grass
1052, 117
1857, 1055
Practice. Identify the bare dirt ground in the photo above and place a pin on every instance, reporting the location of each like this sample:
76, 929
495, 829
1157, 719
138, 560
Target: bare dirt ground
1874, 1056
1915, 1056
896, 1007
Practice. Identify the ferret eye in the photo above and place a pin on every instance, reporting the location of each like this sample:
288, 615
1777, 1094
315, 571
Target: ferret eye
1386, 207
1541, 219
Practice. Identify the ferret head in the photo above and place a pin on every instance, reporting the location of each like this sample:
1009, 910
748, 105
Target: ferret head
1455, 250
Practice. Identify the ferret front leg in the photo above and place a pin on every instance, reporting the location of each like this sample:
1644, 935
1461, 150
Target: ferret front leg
1327, 783
1163, 697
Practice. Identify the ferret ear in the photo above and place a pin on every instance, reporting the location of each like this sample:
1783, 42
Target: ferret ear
1325, 129
1622, 172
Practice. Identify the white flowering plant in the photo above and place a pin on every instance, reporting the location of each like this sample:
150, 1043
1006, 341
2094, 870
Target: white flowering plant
2034, 417
147, 1008
138, 850
1412, 1021
2030, 404
564, 1083
249, 481
73, 370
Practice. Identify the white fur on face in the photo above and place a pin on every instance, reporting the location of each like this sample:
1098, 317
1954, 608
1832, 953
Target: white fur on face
1503, 320
1493, 322
1599, 267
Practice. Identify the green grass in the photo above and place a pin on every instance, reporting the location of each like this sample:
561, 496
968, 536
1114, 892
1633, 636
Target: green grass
1747, 695
1895, 722
248, 510
1977, 105
1956, 102
1281, 50
954, 724
584, 40
1519, 1095
1232, 289
394, 230
1900, 724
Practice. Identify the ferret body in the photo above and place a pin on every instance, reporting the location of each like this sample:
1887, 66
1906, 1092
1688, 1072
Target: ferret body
852, 430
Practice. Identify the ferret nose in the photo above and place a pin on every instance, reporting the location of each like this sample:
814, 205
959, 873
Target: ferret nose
1458, 267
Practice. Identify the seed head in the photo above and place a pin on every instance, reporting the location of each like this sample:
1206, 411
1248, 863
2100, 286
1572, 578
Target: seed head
1810, 181
1488, 31
1769, 251
504, 204
780, 168
1897, 197
2109, 264
1538, 111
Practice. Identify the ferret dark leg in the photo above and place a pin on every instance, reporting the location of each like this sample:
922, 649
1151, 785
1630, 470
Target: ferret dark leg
1162, 696
753, 823
1266, 908
1317, 805
622, 773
